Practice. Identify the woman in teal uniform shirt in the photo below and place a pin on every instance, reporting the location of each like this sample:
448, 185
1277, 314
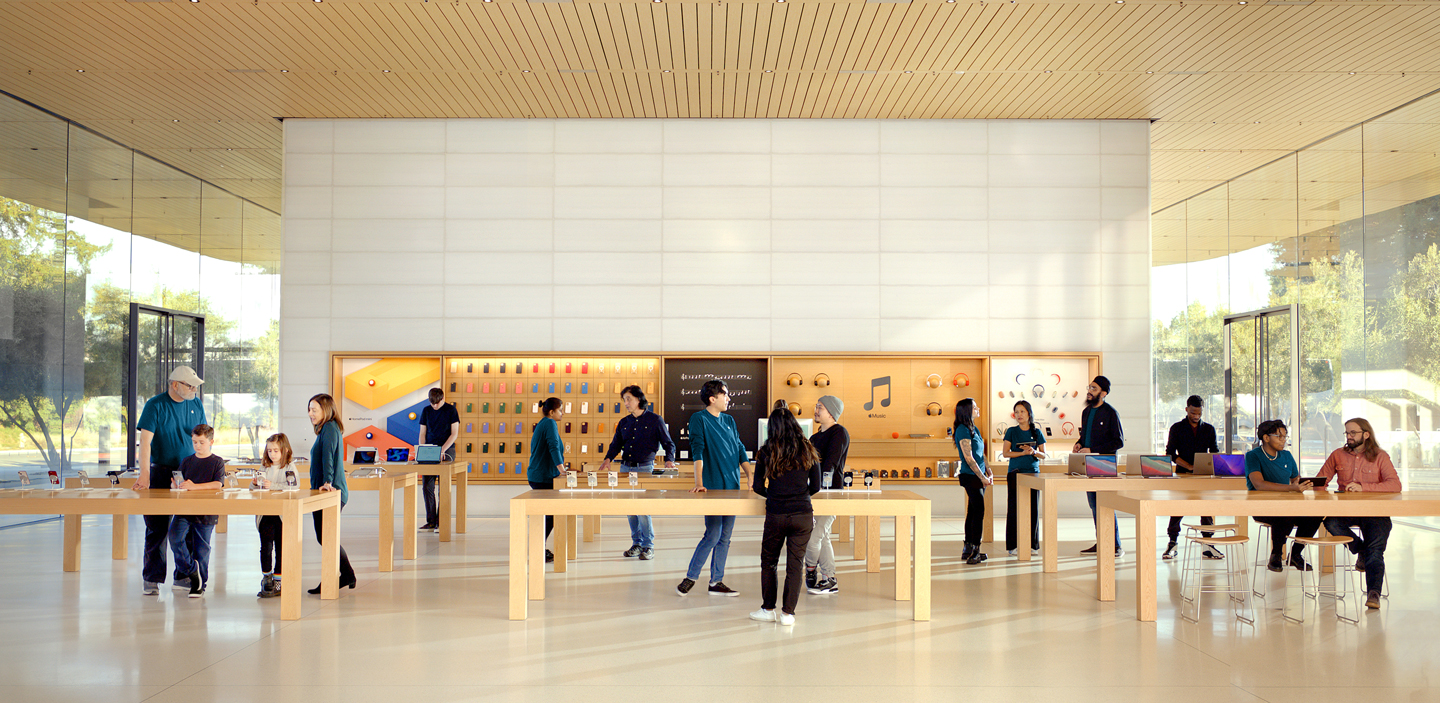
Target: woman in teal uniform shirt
547, 456
974, 477
327, 470
1024, 446
1269, 467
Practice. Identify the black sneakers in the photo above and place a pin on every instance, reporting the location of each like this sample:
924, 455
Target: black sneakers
811, 578
549, 556
1093, 548
1212, 553
825, 587
720, 589
1275, 564
647, 554
269, 587
430, 527
197, 586
633, 551
684, 588
1169, 552
1298, 562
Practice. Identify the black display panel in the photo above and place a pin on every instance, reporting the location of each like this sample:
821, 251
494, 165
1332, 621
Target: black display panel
747, 380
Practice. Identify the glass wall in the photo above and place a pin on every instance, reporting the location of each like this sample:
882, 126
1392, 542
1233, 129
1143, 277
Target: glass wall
88, 226
1348, 230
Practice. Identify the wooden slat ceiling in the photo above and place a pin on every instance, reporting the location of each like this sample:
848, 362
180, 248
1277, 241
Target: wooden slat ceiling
1230, 86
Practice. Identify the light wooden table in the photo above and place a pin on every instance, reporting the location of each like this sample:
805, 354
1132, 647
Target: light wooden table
386, 485
528, 511
291, 506
1147, 505
451, 520
1051, 485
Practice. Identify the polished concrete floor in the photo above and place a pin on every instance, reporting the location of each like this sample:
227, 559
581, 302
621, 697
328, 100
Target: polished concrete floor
614, 630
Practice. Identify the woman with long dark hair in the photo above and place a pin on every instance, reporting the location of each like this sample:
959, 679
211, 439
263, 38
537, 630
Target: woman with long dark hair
787, 473
547, 456
1024, 446
974, 477
327, 471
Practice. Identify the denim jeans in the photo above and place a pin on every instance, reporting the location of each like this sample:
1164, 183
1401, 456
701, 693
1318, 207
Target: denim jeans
1369, 544
157, 533
190, 541
820, 553
716, 541
642, 528
1095, 518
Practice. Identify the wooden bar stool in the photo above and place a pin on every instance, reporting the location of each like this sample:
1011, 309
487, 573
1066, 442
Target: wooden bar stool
1342, 585
1193, 574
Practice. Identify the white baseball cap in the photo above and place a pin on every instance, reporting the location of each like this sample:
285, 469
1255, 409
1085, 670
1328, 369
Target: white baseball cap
185, 374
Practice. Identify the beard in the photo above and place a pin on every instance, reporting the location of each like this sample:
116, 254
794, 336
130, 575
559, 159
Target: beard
1091, 400
1353, 444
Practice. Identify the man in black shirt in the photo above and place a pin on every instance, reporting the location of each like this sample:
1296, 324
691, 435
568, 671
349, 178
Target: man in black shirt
439, 424
1189, 437
1100, 433
637, 436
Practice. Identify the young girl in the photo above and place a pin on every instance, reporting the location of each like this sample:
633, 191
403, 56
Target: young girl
787, 473
278, 459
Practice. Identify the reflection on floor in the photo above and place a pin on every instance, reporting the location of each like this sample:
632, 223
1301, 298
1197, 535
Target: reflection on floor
614, 630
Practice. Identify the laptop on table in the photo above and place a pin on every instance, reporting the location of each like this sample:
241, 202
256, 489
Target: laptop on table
1101, 466
1151, 466
1232, 465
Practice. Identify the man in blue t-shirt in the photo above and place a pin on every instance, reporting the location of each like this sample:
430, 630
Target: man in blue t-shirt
165, 425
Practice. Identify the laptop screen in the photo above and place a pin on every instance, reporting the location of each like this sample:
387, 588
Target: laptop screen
1156, 466
1101, 466
1229, 464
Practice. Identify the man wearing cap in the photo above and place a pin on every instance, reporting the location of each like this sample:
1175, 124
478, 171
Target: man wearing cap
1100, 433
832, 442
165, 425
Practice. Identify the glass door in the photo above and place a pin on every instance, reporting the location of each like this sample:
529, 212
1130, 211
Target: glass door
160, 340
1262, 358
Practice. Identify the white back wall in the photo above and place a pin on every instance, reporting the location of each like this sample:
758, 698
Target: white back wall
716, 235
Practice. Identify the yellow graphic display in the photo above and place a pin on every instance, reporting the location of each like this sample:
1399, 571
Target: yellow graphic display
388, 379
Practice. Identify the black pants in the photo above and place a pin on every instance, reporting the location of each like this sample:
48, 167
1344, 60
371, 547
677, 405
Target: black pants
974, 508
1369, 544
1280, 529
270, 543
347, 573
1174, 530
432, 505
545, 486
1012, 491
794, 531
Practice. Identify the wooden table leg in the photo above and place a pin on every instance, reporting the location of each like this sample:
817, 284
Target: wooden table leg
330, 554
872, 548
1105, 534
445, 497
988, 531
922, 561
562, 544
902, 557
410, 535
387, 524
842, 528
462, 494
1050, 541
572, 534
1244, 522
1145, 585
119, 537
862, 524
591, 527
223, 525
291, 532
1022, 520
72, 543
536, 532
519, 578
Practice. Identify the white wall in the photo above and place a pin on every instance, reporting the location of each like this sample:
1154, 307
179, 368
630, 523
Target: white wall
746, 235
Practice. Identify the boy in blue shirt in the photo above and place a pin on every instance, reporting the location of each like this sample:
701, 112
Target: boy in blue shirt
720, 464
1269, 467
190, 534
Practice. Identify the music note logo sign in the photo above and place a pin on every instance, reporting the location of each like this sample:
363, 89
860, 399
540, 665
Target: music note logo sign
874, 383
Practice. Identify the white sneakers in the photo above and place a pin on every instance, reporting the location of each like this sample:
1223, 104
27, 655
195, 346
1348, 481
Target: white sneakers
782, 617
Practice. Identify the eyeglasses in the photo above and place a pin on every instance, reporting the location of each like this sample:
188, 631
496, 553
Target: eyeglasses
1349, 433
187, 386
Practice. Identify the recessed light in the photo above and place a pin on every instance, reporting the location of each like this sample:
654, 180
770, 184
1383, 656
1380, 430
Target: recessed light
769, 71
779, 0
1352, 73
525, 71
909, 71
79, 70
174, 120
1119, 2
388, 70
1049, 71
1243, 2
284, 70
1148, 72
665, 71
229, 150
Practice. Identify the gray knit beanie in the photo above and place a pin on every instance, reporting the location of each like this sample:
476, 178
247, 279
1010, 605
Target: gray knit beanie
833, 405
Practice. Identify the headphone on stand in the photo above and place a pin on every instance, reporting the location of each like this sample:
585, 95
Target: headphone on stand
934, 409
933, 384
961, 380
794, 380
822, 379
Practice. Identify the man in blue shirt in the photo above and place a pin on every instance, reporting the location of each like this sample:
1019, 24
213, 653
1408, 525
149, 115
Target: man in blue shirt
165, 425
720, 464
637, 435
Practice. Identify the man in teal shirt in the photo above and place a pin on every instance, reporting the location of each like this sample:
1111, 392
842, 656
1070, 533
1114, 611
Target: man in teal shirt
720, 464
165, 425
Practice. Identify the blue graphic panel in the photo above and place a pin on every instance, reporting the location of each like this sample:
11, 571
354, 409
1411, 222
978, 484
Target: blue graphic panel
403, 426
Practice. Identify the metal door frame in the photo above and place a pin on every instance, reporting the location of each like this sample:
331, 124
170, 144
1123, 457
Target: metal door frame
1262, 342
165, 362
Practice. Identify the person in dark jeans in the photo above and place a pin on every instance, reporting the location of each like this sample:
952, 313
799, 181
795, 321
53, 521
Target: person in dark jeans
1187, 438
1100, 433
1362, 466
165, 424
974, 477
547, 457
787, 473
439, 425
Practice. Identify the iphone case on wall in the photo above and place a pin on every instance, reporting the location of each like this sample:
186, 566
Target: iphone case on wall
535, 367
452, 387
518, 451
599, 449
584, 449
468, 427
485, 387
585, 408
502, 387
567, 367
617, 408
650, 367
470, 387
484, 467
567, 407
469, 447
501, 448
552, 367
519, 467
502, 467
584, 428
485, 408
469, 407
567, 386
600, 388
519, 367
519, 426
502, 428
484, 447
519, 388
469, 368
454, 367
650, 388
486, 368
585, 387
502, 367
584, 367
567, 428
600, 428
484, 428
535, 408
600, 367
534, 388
634, 367
552, 387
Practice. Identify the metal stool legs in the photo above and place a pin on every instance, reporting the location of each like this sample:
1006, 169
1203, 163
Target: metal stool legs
1342, 587
1192, 578
1262, 560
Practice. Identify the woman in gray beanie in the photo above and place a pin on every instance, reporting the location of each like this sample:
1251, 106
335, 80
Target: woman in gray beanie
833, 443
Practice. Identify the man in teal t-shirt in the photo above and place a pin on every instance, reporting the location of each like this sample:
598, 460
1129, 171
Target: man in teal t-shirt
720, 464
165, 425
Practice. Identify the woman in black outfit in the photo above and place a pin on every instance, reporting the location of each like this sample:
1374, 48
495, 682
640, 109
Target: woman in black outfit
787, 473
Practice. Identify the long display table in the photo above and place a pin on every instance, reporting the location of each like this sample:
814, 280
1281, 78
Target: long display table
291, 506
528, 511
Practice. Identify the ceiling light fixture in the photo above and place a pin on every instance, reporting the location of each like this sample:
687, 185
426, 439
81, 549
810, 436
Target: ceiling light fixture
1352, 73
284, 70
79, 70
909, 71
960, 72
387, 70
665, 71
1244, 2
1149, 72
1049, 71
768, 71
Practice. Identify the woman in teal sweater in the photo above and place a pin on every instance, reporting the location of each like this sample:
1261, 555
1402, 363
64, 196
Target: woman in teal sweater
974, 476
547, 457
327, 471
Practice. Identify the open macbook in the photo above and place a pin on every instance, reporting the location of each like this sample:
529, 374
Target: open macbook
1150, 466
1101, 466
